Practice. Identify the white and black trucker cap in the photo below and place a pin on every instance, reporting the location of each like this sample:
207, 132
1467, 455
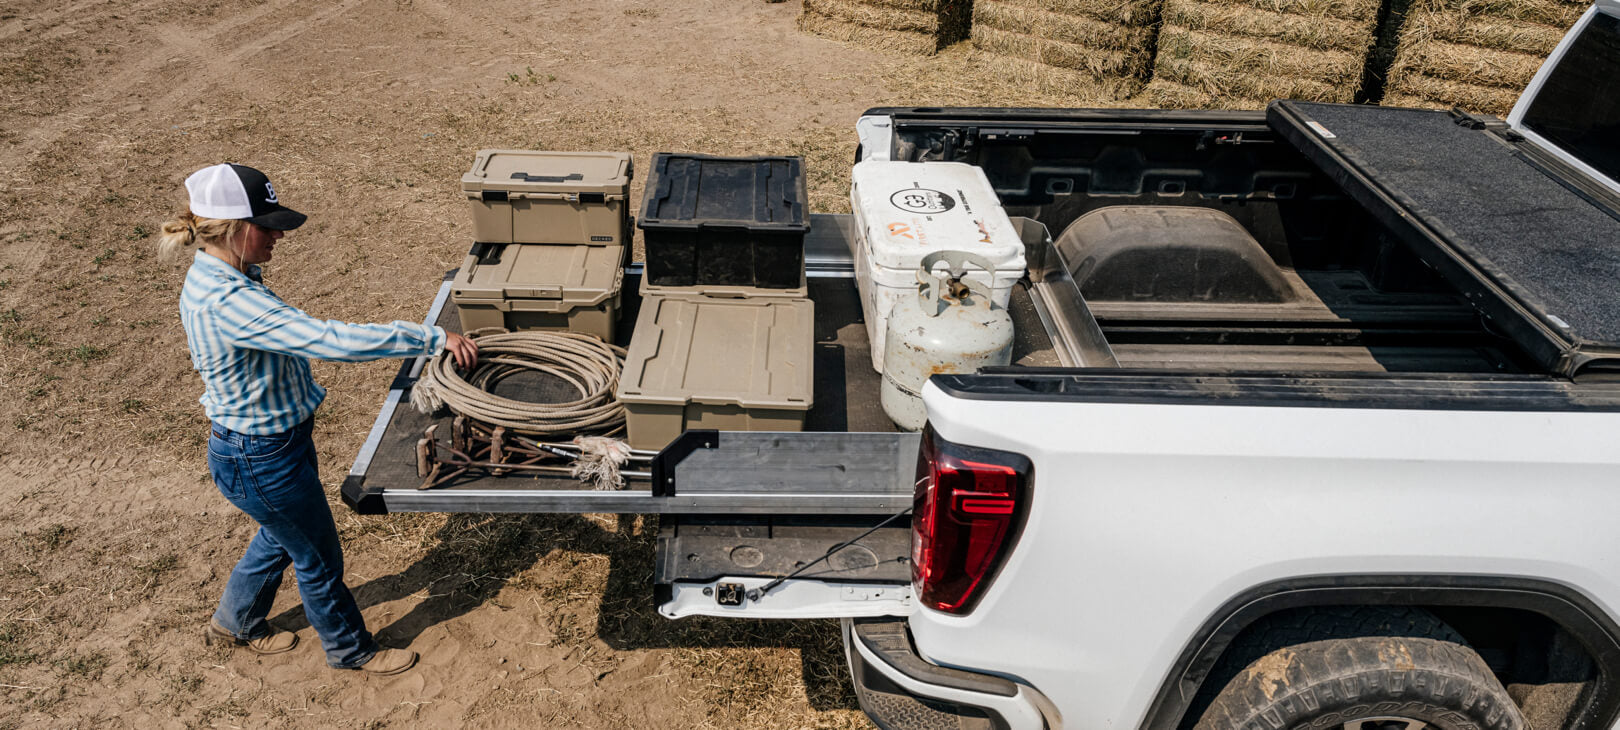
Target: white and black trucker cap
239, 192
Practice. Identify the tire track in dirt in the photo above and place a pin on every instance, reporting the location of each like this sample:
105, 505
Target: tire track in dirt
66, 13
206, 62
74, 487
201, 62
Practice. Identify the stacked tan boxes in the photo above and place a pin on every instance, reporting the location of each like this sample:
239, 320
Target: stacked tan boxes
726, 342
550, 231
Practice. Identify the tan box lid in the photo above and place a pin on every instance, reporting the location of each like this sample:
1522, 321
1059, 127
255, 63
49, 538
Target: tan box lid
531, 171
574, 274
754, 353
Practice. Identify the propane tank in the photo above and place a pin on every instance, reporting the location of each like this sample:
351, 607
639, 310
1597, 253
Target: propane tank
953, 325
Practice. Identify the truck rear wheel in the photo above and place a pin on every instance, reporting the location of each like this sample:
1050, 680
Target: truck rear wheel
1430, 681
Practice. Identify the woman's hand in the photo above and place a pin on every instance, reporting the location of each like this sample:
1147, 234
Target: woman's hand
463, 349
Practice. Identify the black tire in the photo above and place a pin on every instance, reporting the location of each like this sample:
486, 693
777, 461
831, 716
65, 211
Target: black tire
1337, 668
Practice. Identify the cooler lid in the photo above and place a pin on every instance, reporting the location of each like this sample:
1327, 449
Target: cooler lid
581, 275
911, 209
754, 353
691, 192
534, 171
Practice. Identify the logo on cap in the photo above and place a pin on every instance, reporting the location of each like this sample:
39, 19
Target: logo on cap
272, 190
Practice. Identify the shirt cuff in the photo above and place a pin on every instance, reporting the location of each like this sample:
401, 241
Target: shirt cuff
436, 340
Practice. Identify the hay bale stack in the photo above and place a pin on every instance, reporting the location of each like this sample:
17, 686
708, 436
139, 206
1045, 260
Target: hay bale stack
1066, 45
1241, 54
1476, 54
919, 27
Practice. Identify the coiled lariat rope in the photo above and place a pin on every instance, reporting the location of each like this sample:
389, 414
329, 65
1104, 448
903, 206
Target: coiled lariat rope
584, 361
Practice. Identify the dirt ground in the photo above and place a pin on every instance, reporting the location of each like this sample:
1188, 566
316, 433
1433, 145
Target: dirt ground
364, 113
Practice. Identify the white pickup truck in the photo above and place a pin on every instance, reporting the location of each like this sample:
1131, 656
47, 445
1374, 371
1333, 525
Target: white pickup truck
1353, 464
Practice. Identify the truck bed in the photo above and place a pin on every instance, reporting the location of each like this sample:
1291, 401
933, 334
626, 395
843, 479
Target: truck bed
845, 460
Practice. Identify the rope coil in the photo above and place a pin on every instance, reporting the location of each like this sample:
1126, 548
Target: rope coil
587, 363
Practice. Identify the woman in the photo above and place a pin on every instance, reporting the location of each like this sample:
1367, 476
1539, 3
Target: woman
252, 351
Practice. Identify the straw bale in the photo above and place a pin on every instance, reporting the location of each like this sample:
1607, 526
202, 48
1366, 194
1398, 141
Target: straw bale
1054, 53
1167, 94
1224, 55
1557, 13
912, 26
1477, 54
1111, 40
1474, 65
1320, 32
1134, 13
1073, 29
1254, 89
1053, 80
1240, 53
889, 40
1417, 90
1356, 11
1493, 33
874, 16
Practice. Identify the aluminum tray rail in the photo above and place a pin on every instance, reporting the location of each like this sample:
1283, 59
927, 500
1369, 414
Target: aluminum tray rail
848, 461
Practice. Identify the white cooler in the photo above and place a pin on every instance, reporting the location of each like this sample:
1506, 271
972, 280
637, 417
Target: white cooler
907, 210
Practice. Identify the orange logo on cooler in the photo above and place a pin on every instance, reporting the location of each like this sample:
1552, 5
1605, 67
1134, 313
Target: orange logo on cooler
902, 230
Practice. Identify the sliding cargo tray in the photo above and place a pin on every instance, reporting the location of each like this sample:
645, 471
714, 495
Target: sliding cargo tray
848, 461
1532, 250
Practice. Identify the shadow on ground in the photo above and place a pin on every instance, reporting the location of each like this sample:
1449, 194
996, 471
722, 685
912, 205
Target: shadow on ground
474, 556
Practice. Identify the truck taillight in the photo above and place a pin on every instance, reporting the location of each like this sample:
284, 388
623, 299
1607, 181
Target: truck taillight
970, 505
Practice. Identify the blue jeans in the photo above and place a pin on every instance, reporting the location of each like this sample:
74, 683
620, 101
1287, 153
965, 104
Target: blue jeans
274, 479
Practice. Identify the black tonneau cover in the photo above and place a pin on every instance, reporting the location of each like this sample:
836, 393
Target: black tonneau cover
1539, 259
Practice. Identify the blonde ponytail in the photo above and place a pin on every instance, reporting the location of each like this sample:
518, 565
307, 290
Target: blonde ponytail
186, 231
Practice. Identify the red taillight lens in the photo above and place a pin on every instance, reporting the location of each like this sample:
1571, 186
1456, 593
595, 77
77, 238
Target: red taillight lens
970, 504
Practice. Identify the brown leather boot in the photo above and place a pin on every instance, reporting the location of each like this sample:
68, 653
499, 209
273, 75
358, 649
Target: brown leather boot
389, 661
274, 642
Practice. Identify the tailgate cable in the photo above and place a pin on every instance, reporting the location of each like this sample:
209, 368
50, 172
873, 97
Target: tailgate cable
758, 593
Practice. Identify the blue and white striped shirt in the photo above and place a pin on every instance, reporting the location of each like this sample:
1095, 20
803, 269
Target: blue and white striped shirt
250, 348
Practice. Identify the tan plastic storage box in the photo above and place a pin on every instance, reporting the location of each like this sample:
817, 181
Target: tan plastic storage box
523, 286
524, 196
726, 364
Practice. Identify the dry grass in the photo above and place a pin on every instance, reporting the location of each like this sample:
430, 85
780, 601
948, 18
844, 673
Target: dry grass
919, 27
1054, 44
1477, 55
1242, 54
